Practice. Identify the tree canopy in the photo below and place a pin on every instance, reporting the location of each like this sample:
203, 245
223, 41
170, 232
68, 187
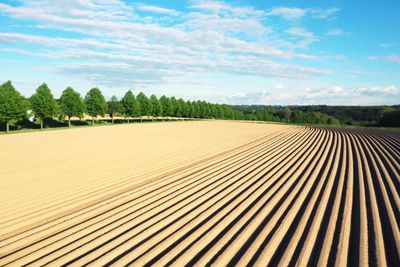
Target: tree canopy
146, 108
114, 107
130, 105
167, 107
43, 104
13, 106
157, 108
71, 104
96, 105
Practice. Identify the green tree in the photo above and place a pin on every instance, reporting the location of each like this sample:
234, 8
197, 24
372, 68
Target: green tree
43, 104
130, 105
71, 104
157, 108
95, 103
114, 107
183, 108
190, 109
13, 106
176, 107
333, 121
196, 109
146, 108
167, 107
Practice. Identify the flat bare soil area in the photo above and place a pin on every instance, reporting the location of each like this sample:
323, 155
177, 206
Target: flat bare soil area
197, 193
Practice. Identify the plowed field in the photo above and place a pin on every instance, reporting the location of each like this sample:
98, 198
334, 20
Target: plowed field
198, 193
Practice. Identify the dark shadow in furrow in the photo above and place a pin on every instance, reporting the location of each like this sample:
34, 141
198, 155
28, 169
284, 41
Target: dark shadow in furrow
279, 252
102, 189
336, 236
300, 244
380, 146
372, 260
201, 223
131, 228
195, 228
183, 177
230, 225
394, 139
235, 259
386, 184
224, 231
386, 146
316, 251
125, 203
392, 142
390, 171
388, 236
353, 258
387, 150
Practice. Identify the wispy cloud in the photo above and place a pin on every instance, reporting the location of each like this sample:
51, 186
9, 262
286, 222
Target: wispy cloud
213, 37
294, 13
157, 9
334, 95
287, 12
306, 37
323, 13
335, 32
388, 58
117, 43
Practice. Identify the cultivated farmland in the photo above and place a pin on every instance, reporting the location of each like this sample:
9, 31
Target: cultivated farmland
197, 193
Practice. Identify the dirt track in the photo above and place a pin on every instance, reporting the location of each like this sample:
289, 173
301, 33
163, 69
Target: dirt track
222, 193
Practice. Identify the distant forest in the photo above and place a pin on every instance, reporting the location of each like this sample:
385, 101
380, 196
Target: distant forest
380, 116
47, 111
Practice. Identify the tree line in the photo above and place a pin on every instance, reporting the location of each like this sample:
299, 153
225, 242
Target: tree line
381, 116
287, 115
42, 105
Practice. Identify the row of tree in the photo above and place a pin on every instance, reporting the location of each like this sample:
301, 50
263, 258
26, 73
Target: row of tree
42, 104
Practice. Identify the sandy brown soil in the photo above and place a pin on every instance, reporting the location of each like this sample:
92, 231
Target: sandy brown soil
197, 193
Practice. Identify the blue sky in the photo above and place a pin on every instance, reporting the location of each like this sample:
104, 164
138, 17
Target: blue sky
236, 52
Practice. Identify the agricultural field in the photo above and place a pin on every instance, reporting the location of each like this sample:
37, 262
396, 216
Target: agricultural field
200, 193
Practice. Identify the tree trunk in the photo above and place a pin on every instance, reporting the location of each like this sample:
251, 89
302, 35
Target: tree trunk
112, 120
141, 119
128, 120
7, 127
41, 124
92, 120
69, 121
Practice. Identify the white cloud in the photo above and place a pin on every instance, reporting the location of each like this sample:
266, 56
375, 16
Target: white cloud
139, 44
201, 42
316, 94
342, 93
335, 32
287, 12
157, 9
377, 90
306, 36
210, 6
297, 31
295, 13
387, 58
323, 13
